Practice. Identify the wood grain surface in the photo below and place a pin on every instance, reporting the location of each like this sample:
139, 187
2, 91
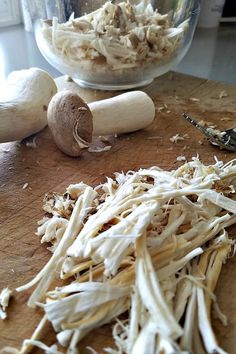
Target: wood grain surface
46, 169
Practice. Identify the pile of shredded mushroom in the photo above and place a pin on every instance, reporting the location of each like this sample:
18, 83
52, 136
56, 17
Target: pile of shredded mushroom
149, 245
121, 36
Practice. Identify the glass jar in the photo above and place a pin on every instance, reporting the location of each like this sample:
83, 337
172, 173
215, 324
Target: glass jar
119, 45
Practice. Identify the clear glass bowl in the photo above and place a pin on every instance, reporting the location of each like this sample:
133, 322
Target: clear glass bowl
121, 47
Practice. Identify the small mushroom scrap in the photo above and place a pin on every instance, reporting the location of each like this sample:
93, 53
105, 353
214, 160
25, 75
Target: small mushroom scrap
73, 122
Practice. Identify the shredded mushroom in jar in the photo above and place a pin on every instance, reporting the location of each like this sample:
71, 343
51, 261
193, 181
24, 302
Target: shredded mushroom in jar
149, 244
116, 37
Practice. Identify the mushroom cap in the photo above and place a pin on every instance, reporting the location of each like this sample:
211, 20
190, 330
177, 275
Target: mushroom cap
70, 121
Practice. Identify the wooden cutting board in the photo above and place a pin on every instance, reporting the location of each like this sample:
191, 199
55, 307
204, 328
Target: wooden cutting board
46, 169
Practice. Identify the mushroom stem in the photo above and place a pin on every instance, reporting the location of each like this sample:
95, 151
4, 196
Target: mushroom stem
125, 113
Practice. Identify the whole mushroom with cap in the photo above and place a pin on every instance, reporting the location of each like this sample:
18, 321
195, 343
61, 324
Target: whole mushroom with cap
73, 123
24, 102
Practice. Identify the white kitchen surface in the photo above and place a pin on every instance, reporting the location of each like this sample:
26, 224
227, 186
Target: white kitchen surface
212, 54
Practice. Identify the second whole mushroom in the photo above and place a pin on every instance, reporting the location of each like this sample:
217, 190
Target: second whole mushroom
73, 123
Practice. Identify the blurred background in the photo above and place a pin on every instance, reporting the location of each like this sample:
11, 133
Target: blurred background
212, 54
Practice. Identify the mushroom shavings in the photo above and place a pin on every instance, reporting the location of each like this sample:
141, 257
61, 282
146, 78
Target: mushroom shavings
149, 245
4, 302
121, 36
